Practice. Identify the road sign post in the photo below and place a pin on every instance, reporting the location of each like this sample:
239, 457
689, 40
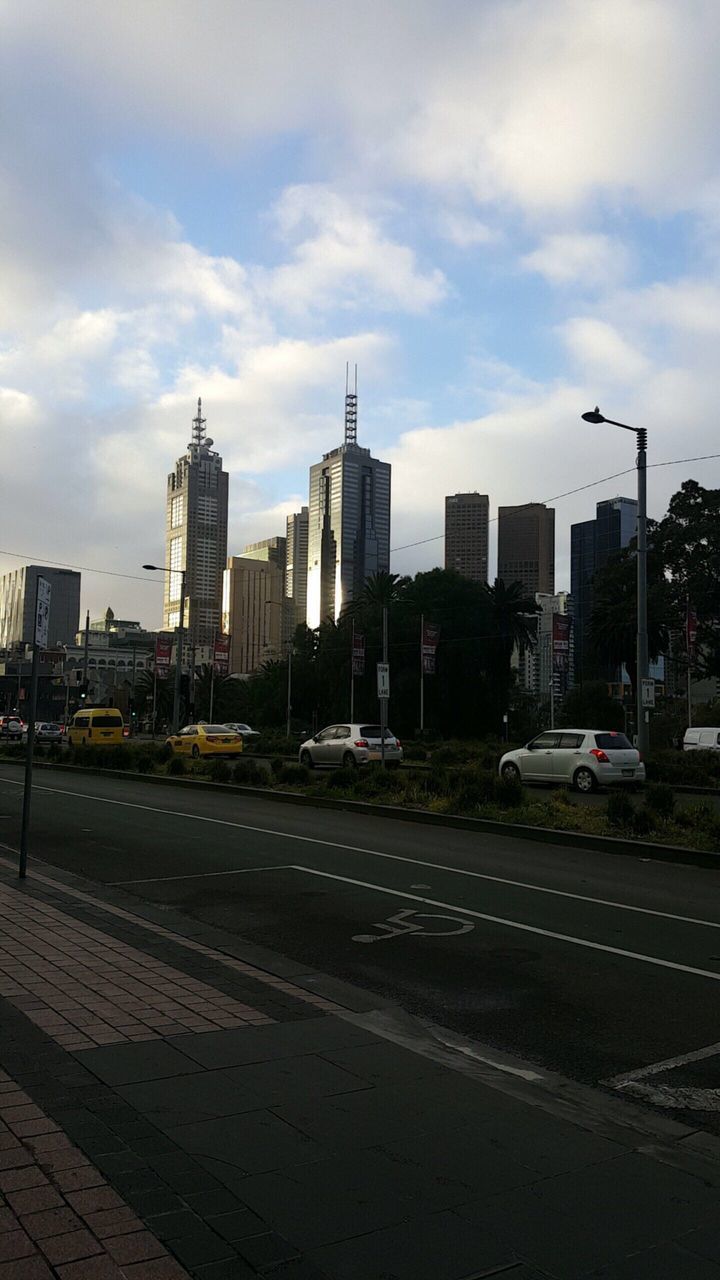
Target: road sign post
648, 693
40, 640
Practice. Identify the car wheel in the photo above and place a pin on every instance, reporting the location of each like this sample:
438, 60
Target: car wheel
510, 773
349, 761
307, 760
584, 781
195, 752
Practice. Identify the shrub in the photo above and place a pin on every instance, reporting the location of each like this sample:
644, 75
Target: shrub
54, 751
620, 809
414, 751
643, 821
249, 774
277, 765
163, 753
509, 795
294, 774
454, 753
343, 780
661, 799
176, 766
220, 771
145, 762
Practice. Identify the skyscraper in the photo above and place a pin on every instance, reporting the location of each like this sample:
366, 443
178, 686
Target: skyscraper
296, 565
196, 537
592, 543
526, 547
253, 611
17, 605
349, 523
466, 534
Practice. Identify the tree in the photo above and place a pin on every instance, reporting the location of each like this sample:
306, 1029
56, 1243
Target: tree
613, 624
591, 704
688, 542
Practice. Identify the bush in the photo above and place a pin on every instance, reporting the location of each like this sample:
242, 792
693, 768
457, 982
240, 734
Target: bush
509, 795
414, 751
660, 798
220, 771
293, 774
145, 762
620, 810
454, 753
343, 780
249, 774
176, 766
163, 753
643, 821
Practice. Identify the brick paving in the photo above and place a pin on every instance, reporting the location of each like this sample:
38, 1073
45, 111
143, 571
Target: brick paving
85, 988
59, 1218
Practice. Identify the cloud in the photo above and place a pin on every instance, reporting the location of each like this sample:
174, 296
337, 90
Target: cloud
465, 231
602, 352
344, 258
577, 257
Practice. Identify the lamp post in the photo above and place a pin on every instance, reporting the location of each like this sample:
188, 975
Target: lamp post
643, 727
158, 568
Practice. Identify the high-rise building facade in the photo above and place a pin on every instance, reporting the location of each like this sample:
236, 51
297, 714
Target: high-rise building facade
196, 538
348, 523
253, 612
592, 543
296, 566
273, 550
526, 547
467, 518
17, 605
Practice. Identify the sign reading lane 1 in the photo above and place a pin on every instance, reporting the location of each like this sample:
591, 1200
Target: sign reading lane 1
647, 688
383, 679
42, 617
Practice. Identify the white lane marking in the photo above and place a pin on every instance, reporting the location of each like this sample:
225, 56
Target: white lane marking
525, 928
617, 1082
199, 875
679, 1099
376, 853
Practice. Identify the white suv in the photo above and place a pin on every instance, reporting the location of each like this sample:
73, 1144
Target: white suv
350, 744
583, 758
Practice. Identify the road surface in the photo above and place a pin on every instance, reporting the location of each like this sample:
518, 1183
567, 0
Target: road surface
593, 965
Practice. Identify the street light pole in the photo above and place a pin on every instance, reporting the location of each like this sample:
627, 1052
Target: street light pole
643, 724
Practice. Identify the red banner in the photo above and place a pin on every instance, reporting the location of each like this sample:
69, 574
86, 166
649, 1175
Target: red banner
691, 630
221, 655
163, 654
561, 641
358, 654
428, 647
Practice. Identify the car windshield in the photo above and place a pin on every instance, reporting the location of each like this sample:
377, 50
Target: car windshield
612, 742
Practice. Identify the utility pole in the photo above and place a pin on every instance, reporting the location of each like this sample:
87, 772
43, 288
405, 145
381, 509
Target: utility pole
643, 716
422, 675
40, 639
384, 701
179, 657
289, 690
86, 648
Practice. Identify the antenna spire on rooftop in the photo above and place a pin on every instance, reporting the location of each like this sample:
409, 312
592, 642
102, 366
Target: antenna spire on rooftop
198, 424
350, 407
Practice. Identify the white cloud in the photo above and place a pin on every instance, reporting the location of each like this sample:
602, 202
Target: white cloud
344, 259
579, 257
602, 352
465, 231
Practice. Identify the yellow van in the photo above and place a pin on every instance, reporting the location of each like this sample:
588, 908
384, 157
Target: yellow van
96, 724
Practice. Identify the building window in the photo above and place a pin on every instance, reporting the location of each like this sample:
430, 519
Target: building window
176, 511
175, 568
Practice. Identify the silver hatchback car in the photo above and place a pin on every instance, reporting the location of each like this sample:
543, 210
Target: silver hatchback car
350, 744
581, 758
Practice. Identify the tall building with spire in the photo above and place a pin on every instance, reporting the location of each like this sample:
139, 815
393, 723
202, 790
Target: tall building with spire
348, 522
196, 537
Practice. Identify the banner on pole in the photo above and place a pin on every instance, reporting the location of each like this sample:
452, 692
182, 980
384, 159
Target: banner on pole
42, 617
221, 654
561, 641
429, 644
358, 654
163, 654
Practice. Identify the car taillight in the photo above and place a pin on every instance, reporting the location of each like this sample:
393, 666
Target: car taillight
398, 743
600, 755
640, 756
362, 742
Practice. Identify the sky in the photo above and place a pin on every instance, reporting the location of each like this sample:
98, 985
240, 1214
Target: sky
504, 211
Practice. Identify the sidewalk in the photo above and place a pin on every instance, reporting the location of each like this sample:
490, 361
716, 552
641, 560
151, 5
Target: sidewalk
177, 1103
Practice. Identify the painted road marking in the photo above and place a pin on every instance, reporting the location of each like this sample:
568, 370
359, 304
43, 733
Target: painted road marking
525, 928
407, 926
373, 853
680, 1097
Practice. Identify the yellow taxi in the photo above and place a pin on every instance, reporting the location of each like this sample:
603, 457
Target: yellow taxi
205, 740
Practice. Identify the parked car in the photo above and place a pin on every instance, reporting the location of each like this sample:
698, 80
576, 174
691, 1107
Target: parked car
349, 745
205, 740
11, 726
45, 731
701, 740
581, 758
244, 730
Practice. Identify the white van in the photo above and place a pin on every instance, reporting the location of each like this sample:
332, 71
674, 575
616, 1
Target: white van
701, 740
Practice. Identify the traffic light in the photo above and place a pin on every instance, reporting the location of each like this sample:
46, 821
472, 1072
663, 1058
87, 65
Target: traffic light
83, 690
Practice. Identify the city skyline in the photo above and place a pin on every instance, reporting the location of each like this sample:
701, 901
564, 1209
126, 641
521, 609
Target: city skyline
467, 216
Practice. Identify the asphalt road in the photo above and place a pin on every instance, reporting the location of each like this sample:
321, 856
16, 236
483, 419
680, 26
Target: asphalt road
593, 965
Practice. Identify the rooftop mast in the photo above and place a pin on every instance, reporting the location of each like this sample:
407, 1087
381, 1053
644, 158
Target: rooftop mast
350, 408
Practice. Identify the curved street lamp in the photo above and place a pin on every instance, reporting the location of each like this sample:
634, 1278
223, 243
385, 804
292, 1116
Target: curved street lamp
643, 725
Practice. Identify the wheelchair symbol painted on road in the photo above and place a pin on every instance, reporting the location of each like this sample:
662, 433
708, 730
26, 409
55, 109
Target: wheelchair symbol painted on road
401, 925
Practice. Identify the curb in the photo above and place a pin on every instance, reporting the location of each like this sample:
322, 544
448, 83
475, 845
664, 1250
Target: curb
483, 826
